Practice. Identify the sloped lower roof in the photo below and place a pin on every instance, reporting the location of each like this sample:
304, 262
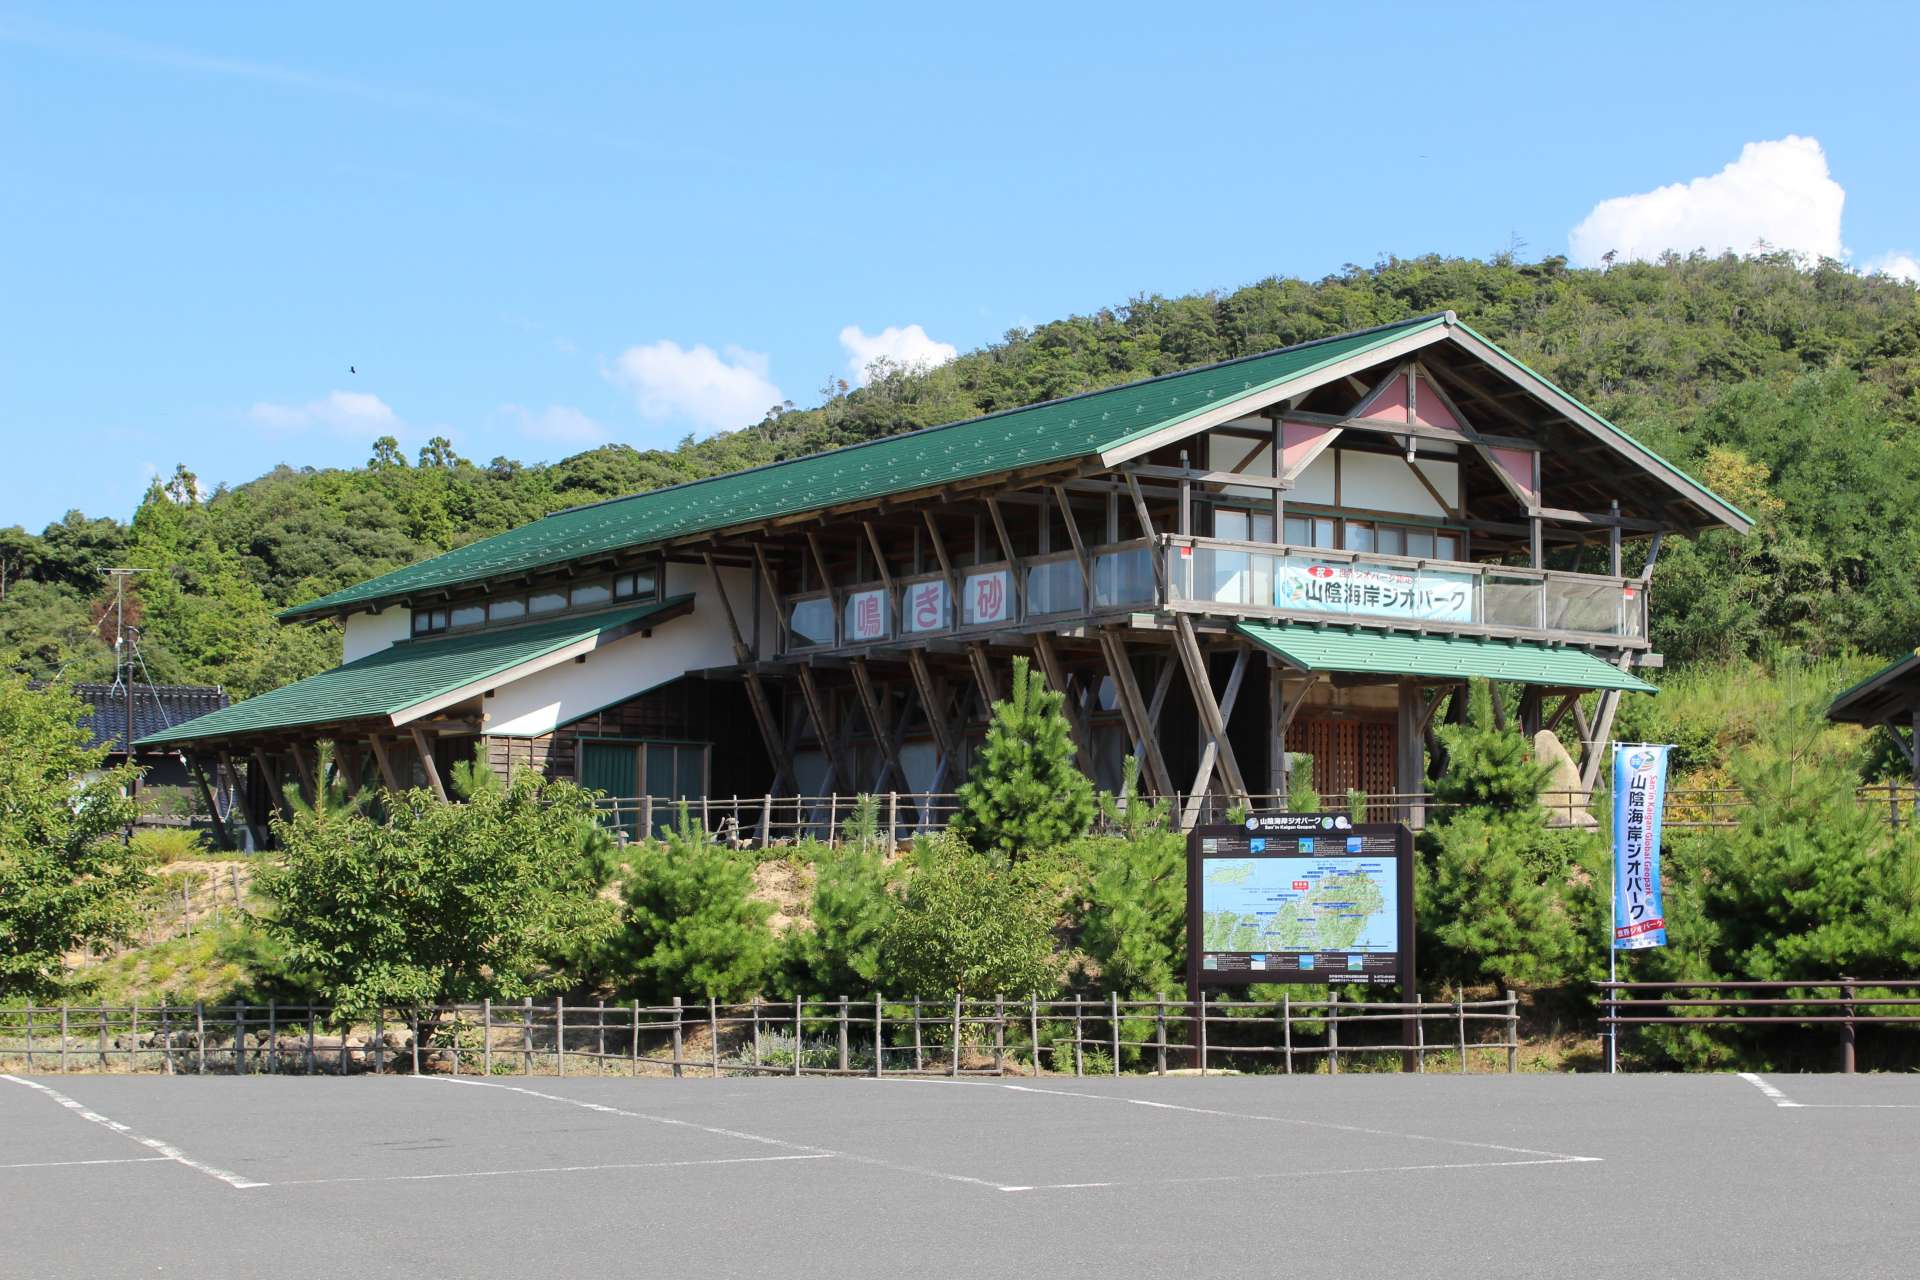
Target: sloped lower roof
1888, 692
1080, 426
1440, 657
407, 674
156, 708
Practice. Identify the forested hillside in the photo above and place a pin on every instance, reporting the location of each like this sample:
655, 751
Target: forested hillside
1795, 393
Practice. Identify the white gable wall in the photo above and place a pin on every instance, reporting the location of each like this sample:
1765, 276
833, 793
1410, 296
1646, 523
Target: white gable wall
369, 632
631, 665
1367, 481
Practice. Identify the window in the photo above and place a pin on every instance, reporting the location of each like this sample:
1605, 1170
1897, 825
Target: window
1359, 536
1420, 543
546, 602
1299, 531
627, 586
591, 594
1446, 546
1391, 541
506, 610
1323, 532
469, 615
429, 620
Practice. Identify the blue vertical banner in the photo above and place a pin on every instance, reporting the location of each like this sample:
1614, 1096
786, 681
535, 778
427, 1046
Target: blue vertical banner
1639, 795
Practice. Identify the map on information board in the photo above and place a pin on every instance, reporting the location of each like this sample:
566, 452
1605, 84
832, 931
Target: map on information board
1311, 904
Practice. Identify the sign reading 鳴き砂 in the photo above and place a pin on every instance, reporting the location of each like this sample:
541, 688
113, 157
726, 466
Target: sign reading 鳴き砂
1639, 792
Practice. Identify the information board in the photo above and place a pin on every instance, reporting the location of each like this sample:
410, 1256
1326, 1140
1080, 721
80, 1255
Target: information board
1300, 897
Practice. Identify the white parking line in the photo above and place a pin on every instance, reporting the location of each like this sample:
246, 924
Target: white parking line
849, 1156
1782, 1100
1779, 1099
62, 1164
558, 1168
1552, 1157
1306, 1173
167, 1150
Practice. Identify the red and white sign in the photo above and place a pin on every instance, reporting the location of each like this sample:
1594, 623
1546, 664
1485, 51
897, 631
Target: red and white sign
926, 606
867, 615
989, 597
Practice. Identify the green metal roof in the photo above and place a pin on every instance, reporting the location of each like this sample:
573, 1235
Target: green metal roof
1893, 689
1056, 431
1398, 653
405, 675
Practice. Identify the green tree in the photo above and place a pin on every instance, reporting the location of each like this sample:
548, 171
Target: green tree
853, 907
66, 883
1024, 794
439, 902
970, 925
693, 927
1134, 924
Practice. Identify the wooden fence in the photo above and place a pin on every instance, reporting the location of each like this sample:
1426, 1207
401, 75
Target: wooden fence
766, 821
1843, 1004
868, 1036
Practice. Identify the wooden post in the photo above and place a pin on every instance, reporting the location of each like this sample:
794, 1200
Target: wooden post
1079, 1037
1460, 1020
1848, 1032
1200, 1028
799, 1038
1513, 1033
879, 1038
713, 1033
1419, 1035
999, 1035
1286, 1025
633, 1044
1033, 1029
756, 1034
845, 1061
1160, 1032
676, 1037
199, 1036
1113, 998
415, 1017
103, 1039
1333, 1031
560, 1034
919, 1058
953, 1059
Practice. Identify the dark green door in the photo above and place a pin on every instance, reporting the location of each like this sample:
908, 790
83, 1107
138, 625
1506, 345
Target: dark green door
613, 767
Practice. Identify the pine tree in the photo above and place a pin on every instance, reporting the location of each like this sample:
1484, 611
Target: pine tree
1024, 794
693, 926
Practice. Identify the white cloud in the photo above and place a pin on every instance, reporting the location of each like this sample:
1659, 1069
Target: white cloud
720, 391
559, 423
1901, 266
1777, 193
908, 347
352, 413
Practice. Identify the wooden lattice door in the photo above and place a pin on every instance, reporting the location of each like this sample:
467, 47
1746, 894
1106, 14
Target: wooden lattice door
1347, 754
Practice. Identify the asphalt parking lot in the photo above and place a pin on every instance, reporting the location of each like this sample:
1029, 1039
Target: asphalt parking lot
1482, 1176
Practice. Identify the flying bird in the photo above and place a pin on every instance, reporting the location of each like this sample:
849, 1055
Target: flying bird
351, 369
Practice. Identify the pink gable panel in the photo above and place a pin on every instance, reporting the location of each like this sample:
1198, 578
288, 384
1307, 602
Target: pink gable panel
1518, 464
1391, 404
1430, 410
1297, 441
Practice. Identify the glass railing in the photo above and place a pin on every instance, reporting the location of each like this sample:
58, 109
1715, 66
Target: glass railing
1123, 575
1295, 581
1055, 584
810, 621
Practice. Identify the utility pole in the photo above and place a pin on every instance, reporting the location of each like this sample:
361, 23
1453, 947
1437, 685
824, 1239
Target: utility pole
123, 663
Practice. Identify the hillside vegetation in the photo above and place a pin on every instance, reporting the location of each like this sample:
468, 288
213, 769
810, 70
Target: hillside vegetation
1796, 393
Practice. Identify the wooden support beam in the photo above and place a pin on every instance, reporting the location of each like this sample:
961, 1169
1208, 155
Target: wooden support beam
1146, 531
1056, 674
983, 675
772, 586
876, 718
879, 556
1602, 735
423, 744
816, 711
1212, 722
304, 772
1571, 702
384, 761
943, 738
1210, 749
1079, 545
820, 564
222, 839
1143, 726
757, 700
271, 776
1006, 549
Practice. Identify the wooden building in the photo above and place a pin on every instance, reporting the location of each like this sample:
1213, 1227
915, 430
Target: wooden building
1303, 551
1888, 698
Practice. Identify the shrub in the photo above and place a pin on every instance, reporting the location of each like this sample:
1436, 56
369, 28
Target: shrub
158, 846
692, 927
1134, 924
852, 909
970, 925
440, 902
1025, 794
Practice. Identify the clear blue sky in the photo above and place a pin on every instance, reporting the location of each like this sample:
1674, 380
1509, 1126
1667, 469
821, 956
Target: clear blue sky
520, 224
